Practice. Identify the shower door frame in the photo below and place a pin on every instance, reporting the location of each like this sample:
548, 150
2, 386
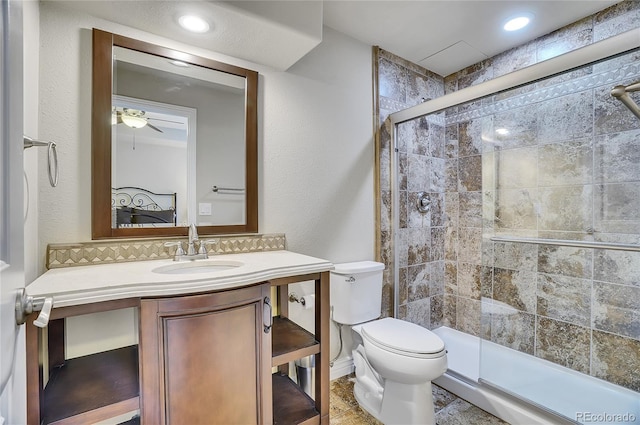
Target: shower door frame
598, 51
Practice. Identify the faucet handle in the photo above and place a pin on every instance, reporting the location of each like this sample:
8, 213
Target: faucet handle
203, 245
178, 244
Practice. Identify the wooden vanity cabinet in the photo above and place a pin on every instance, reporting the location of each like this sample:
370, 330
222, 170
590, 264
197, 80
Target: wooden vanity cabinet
205, 358
202, 358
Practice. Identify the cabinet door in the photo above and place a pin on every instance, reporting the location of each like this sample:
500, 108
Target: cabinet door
205, 359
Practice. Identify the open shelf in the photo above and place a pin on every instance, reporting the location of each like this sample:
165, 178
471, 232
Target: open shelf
94, 387
290, 404
291, 342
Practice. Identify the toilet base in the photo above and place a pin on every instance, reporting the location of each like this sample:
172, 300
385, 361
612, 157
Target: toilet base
407, 404
401, 404
391, 402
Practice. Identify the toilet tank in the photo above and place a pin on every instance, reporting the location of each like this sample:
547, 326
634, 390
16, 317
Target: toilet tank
356, 292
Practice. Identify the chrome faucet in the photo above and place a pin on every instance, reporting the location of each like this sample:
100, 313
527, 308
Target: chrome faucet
193, 238
192, 253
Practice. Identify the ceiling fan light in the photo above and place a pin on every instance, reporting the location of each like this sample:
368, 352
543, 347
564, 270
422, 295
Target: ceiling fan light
133, 121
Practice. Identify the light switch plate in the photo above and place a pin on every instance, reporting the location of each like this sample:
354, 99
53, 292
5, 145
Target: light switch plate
204, 208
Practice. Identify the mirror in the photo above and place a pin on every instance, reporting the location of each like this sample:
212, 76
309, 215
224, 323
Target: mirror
174, 142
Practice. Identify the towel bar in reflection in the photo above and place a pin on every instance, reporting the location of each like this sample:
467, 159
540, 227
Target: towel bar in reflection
229, 190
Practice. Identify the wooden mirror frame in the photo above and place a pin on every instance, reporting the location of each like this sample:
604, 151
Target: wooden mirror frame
102, 80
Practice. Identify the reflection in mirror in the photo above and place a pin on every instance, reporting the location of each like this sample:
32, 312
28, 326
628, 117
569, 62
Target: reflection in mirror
182, 142
148, 140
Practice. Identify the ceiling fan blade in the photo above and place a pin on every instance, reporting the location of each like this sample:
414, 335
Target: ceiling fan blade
160, 119
154, 127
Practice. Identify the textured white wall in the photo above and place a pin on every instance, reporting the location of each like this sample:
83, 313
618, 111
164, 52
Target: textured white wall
318, 152
315, 135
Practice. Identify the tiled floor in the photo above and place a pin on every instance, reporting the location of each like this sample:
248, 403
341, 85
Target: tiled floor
450, 410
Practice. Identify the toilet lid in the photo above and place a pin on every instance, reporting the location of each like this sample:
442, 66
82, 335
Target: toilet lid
401, 336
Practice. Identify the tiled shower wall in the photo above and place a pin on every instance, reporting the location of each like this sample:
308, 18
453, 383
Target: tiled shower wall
402, 84
567, 305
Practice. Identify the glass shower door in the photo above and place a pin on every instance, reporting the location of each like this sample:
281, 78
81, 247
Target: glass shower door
560, 306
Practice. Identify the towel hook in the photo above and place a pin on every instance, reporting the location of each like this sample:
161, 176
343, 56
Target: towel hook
52, 158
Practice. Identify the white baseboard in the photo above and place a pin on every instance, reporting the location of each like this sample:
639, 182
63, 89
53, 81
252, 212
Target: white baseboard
341, 367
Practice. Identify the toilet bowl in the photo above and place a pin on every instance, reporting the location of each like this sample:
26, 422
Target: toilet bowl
395, 360
395, 364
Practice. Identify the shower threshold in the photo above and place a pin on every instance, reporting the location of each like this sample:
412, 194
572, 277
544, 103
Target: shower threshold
520, 388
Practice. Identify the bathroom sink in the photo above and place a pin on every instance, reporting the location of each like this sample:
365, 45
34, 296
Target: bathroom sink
198, 266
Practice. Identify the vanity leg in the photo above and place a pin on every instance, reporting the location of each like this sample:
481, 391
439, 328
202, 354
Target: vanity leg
283, 300
34, 371
322, 335
283, 311
55, 343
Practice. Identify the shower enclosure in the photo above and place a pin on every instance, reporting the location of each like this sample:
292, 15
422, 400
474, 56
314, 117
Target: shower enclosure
516, 218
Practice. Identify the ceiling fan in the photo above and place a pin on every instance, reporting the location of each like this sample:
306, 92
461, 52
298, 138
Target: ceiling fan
134, 118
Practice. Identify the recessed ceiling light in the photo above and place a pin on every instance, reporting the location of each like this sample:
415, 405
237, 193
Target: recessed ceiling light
193, 23
502, 131
517, 23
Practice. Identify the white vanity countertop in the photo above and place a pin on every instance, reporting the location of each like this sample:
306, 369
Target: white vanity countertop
95, 283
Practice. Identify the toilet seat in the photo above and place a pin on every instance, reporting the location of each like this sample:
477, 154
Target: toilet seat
403, 338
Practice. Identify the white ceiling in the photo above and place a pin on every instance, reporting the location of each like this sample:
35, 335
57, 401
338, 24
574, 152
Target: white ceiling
448, 35
441, 35
273, 33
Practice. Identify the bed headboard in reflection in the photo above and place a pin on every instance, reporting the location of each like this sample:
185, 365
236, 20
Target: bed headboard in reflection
138, 207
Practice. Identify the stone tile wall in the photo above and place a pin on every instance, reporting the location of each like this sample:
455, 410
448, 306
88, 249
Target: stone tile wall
402, 84
568, 169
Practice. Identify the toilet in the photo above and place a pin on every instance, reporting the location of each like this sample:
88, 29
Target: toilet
395, 360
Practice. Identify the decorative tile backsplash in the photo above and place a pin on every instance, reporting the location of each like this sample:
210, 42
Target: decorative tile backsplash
122, 250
